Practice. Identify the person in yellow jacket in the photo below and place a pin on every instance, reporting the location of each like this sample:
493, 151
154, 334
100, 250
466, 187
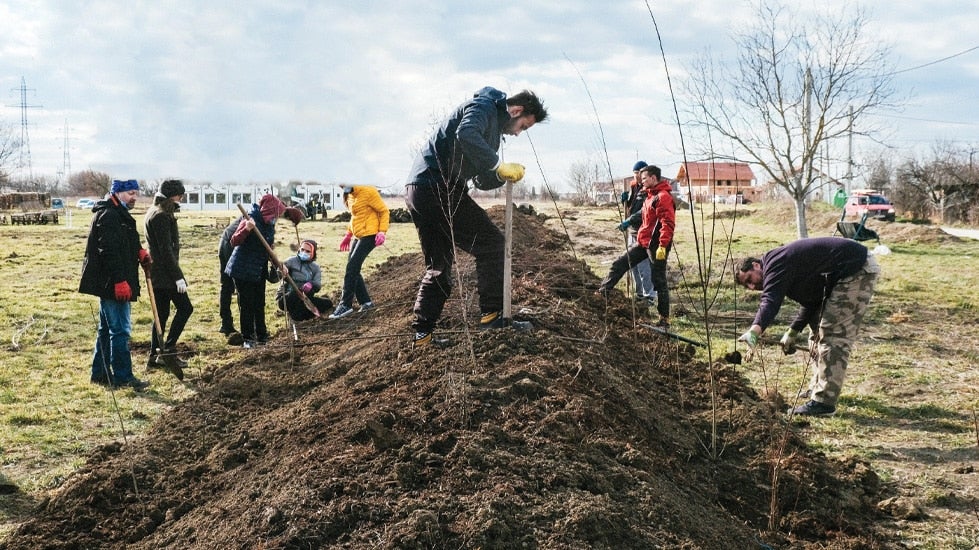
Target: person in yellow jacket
369, 218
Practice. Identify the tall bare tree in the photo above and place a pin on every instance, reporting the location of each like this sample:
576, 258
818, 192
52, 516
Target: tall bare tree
798, 83
9, 146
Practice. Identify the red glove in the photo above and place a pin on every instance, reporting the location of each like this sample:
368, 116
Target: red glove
144, 257
379, 238
345, 243
123, 292
307, 287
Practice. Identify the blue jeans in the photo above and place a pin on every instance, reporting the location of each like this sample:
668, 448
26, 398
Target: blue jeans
353, 281
112, 361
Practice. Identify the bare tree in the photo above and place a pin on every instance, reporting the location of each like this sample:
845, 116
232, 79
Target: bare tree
946, 185
798, 84
9, 146
582, 175
89, 182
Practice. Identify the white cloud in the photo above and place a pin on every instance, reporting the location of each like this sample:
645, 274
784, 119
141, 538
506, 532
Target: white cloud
346, 90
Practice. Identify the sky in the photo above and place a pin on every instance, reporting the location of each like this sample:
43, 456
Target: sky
348, 90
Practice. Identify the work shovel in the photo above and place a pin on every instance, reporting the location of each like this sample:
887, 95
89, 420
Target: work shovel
169, 359
285, 271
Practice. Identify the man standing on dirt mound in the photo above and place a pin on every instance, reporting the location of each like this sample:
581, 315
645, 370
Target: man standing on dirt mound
833, 279
463, 148
110, 271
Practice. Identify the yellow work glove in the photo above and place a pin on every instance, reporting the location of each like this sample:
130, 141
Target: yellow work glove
661, 253
510, 171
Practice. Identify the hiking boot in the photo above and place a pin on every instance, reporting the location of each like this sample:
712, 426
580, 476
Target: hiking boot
341, 311
813, 408
235, 339
366, 306
426, 339
227, 330
135, 383
663, 323
495, 320
100, 381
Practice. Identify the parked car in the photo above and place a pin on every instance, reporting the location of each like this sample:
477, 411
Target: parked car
870, 202
87, 204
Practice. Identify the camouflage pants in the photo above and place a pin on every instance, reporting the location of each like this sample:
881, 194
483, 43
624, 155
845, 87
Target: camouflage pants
842, 315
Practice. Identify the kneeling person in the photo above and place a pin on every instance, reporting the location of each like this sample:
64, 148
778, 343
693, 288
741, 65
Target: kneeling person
305, 272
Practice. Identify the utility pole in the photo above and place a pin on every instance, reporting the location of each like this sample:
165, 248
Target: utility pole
25, 138
65, 173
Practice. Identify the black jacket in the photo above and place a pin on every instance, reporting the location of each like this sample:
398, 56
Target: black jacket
112, 251
465, 146
163, 239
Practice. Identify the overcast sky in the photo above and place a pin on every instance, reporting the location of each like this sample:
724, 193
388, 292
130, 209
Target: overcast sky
344, 91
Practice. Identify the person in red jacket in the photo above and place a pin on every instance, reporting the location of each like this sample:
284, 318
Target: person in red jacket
653, 240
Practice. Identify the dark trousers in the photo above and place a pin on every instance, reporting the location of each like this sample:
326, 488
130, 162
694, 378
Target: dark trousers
353, 281
292, 304
224, 301
632, 257
164, 297
251, 309
444, 220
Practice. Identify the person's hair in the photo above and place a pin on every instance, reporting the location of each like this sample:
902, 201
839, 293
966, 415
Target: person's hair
744, 266
532, 105
652, 169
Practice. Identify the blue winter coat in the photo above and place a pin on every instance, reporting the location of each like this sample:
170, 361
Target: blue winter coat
249, 259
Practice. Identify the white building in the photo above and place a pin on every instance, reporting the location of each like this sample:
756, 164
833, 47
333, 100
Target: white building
209, 196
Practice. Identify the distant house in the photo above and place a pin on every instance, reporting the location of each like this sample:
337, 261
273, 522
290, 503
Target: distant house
719, 181
604, 192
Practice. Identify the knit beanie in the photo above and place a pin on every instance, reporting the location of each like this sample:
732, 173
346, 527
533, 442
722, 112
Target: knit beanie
271, 207
118, 186
312, 244
639, 166
172, 188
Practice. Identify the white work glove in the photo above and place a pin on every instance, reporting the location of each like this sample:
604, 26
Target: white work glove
750, 338
510, 171
181, 286
788, 342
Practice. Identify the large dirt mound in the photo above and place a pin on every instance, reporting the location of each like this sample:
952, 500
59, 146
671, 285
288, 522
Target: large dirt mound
585, 433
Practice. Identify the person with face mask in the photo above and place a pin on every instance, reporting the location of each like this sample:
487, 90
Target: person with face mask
305, 272
110, 271
249, 267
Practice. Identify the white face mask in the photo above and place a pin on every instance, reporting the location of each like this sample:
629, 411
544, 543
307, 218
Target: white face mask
304, 256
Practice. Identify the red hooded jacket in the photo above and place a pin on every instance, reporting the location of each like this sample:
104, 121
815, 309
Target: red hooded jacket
658, 217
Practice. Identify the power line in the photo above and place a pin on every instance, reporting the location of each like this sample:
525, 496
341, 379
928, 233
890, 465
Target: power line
930, 63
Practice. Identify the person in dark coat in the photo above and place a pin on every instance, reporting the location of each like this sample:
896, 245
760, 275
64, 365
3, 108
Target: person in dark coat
833, 280
169, 283
249, 267
465, 148
225, 248
110, 271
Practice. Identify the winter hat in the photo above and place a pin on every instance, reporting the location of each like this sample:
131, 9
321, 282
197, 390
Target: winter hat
118, 186
271, 207
639, 166
312, 244
294, 214
172, 188
348, 188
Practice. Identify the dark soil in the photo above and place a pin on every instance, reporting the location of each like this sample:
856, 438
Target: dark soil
584, 433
